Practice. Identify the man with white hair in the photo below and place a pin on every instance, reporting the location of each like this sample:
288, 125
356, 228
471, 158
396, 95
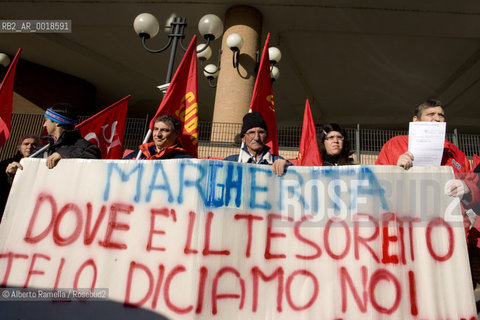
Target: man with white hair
254, 134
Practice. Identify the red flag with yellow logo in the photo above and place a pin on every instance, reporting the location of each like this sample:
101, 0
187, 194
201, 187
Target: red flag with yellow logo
308, 154
180, 100
6, 100
262, 99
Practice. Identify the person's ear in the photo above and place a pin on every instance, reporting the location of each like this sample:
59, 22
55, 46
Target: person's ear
415, 119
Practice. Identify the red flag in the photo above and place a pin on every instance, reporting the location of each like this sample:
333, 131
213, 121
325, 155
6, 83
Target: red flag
6, 100
308, 154
262, 99
107, 129
476, 161
180, 100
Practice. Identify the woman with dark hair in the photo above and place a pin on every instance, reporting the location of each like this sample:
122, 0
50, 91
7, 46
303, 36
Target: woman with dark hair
334, 145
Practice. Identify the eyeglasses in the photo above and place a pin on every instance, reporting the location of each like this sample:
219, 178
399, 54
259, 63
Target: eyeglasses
334, 137
253, 132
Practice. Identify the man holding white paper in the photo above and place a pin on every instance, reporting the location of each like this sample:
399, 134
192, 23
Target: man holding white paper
397, 151
419, 148
404, 152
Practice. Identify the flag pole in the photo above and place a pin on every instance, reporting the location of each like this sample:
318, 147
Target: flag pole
44, 148
39, 151
145, 140
240, 154
163, 88
177, 29
243, 144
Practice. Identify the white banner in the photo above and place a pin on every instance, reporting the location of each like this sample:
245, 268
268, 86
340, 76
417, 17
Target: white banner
203, 239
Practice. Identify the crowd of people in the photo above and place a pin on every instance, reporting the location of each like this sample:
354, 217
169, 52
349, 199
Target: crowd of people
333, 144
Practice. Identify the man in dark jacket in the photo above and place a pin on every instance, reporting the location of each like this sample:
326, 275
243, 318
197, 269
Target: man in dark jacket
8, 167
165, 145
254, 134
67, 143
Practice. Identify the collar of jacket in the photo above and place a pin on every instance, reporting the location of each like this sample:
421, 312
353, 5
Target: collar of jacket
265, 157
149, 150
68, 136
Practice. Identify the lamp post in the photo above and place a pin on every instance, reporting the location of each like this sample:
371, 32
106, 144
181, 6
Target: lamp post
274, 55
146, 26
235, 43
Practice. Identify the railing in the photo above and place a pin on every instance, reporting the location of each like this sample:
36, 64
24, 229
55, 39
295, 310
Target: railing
366, 143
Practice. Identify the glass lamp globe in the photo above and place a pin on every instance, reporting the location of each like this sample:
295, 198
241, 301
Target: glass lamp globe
4, 60
205, 54
210, 71
235, 42
210, 27
274, 54
275, 73
146, 25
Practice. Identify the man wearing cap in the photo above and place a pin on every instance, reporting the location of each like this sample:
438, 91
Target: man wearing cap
67, 143
254, 134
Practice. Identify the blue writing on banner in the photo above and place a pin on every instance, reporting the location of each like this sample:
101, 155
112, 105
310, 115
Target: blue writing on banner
234, 182
112, 166
219, 184
165, 186
200, 173
256, 187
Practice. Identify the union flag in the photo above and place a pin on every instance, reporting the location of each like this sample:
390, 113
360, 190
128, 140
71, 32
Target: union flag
180, 100
262, 99
308, 154
6, 99
107, 129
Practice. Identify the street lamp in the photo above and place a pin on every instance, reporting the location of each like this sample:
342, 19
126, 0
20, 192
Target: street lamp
4, 60
211, 72
146, 26
235, 42
275, 56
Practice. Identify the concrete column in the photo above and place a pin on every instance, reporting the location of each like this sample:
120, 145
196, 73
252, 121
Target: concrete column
235, 86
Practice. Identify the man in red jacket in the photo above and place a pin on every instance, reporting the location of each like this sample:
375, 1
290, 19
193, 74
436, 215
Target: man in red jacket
395, 151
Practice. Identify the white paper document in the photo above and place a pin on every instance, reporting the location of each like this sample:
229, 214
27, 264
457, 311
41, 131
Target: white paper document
426, 141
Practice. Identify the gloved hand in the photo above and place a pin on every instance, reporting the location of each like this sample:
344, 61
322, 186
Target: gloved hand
456, 188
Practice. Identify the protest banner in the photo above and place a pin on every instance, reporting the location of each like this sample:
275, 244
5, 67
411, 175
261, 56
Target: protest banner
206, 239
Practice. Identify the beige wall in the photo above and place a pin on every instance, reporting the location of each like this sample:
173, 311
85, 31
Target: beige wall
22, 105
